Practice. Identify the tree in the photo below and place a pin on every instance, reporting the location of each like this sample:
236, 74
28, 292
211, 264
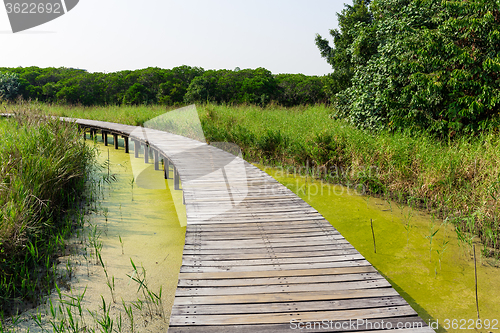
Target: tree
299, 89
177, 80
255, 86
137, 94
435, 69
352, 20
203, 88
9, 86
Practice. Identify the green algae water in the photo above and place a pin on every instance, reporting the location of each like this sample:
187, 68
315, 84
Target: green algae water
144, 224
436, 278
139, 223
137, 218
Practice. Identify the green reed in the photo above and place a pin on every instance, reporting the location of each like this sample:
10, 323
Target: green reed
43, 170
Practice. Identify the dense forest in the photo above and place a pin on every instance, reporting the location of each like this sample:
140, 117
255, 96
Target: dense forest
174, 86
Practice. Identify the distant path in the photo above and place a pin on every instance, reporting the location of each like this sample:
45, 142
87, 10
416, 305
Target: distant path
257, 258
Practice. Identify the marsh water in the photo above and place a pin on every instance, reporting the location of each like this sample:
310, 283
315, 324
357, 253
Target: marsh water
135, 219
139, 218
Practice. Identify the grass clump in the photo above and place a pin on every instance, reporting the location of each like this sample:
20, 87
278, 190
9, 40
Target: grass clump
43, 168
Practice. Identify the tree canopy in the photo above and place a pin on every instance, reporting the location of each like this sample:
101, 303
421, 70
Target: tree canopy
417, 64
9, 85
176, 86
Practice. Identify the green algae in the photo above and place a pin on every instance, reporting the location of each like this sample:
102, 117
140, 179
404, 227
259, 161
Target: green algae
436, 278
149, 221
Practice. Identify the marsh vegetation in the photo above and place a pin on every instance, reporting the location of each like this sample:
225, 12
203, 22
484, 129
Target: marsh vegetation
43, 168
124, 258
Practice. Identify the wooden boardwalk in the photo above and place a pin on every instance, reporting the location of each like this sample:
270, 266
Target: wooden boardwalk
259, 259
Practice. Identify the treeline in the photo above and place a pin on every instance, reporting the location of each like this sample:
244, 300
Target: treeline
174, 86
417, 64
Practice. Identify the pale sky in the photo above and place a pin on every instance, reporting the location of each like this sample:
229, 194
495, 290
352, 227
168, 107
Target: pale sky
113, 35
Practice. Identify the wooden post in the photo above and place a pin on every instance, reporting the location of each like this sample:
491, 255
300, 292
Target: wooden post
92, 134
166, 167
84, 134
156, 159
115, 140
125, 140
146, 154
137, 147
176, 178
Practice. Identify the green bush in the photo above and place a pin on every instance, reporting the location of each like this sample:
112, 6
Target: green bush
9, 86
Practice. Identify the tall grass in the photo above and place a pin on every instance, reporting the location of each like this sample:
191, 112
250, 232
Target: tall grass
131, 115
43, 167
458, 180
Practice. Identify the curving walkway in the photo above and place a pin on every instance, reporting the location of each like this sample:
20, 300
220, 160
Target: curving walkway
257, 258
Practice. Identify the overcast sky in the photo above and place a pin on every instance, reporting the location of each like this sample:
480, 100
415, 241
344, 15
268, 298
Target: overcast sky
113, 35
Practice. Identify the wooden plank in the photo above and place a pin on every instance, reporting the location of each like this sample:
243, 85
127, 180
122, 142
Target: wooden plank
260, 234
264, 255
275, 267
283, 307
249, 229
265, 289
276, 318
237, 244
414, 324
278, 280
268, 225
245, 238
286, 297
340, 244
283, 273
257, 220
187, 261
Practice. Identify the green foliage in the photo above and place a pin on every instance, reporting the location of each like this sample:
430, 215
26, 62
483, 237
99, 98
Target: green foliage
78, 87
170, 87
300, 89
9, 86
351, 21
435, 68
172, 91
43, 165
254, 86
136, 95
